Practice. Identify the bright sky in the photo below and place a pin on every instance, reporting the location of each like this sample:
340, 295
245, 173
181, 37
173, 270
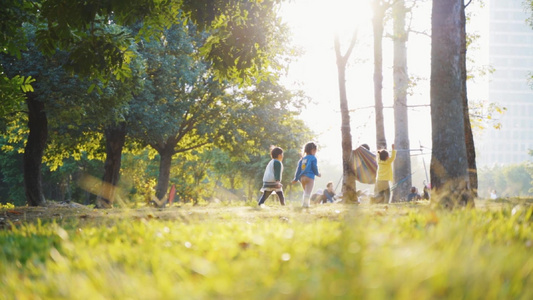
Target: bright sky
313, 23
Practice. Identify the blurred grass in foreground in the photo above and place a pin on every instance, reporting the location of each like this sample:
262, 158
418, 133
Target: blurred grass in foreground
240, 252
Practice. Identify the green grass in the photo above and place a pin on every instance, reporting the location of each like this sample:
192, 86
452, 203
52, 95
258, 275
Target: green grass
241, 252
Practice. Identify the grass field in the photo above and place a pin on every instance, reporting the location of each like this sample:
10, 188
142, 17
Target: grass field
401, 251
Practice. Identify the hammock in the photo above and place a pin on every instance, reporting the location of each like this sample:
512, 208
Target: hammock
365, 165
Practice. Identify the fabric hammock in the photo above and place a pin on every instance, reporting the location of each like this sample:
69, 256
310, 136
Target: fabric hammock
365, 165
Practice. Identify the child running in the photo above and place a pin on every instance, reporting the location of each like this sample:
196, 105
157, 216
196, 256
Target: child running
384, 174
272, 177
306, 172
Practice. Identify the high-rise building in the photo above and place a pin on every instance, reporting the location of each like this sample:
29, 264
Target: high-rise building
511, 55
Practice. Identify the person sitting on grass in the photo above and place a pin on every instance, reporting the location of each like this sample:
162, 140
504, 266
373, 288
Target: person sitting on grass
413, 196
329, 194
425, 194
272, 177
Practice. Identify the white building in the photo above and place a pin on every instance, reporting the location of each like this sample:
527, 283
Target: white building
511, 55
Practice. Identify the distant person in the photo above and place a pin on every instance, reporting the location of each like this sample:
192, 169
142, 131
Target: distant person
384, 175
306, 171
414, 195
425, 192
329, 194
493, 195
272, 177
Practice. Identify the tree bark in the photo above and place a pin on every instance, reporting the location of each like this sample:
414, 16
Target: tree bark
115, 136
165, 164
402, 164
348, 184
33, 152
449, 163
469, 136
377, 26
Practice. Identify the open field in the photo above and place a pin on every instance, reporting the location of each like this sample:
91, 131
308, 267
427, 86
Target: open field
400, 251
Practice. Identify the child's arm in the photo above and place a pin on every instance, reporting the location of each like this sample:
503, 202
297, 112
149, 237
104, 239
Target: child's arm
297, 173
277, 172
393, 154
314, 167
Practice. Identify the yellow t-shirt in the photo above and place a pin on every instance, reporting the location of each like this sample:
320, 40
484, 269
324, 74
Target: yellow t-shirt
385, 167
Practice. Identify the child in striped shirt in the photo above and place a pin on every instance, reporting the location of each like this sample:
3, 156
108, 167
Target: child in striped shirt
272, 177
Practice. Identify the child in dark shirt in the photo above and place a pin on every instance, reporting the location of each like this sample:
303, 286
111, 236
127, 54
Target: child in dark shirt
272, 177
413, 196
329, 193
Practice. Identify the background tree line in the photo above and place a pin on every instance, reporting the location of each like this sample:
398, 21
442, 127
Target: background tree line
175, 82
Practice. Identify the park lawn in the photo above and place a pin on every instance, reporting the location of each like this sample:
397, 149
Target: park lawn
218, 251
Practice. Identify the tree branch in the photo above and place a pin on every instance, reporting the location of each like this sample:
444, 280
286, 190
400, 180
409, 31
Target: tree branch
191, 147
343, 58
420, 32
352, 45
372, 106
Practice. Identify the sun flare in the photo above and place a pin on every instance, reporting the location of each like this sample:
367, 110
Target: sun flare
313, 24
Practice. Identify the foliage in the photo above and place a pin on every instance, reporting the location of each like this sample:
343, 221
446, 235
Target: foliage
12, 92
245, 33
508, 180
73, 124
528, 6
7, 206
12, 137
139, 173
245, 39
380, 252
11, 180
13, 14
484, 114
65, 182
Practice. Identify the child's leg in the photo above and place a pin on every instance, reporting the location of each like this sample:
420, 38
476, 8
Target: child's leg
281, 197
379, 192
386, 192
307, 184
264, 197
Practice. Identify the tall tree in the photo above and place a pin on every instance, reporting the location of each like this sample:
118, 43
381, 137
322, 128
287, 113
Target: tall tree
115, 137
449, 163
402, 164
114, 124
348, 172
182, 106
33, 152
40, 68
469, 136
380, 8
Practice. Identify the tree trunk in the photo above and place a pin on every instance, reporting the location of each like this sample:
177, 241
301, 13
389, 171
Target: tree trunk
348, 184
115, 136
33, 152
402, 164
164, 171
449, 163
377, 26
469, 136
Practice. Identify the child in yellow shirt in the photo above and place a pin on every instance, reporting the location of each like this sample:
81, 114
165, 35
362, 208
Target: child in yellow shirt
384, 175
